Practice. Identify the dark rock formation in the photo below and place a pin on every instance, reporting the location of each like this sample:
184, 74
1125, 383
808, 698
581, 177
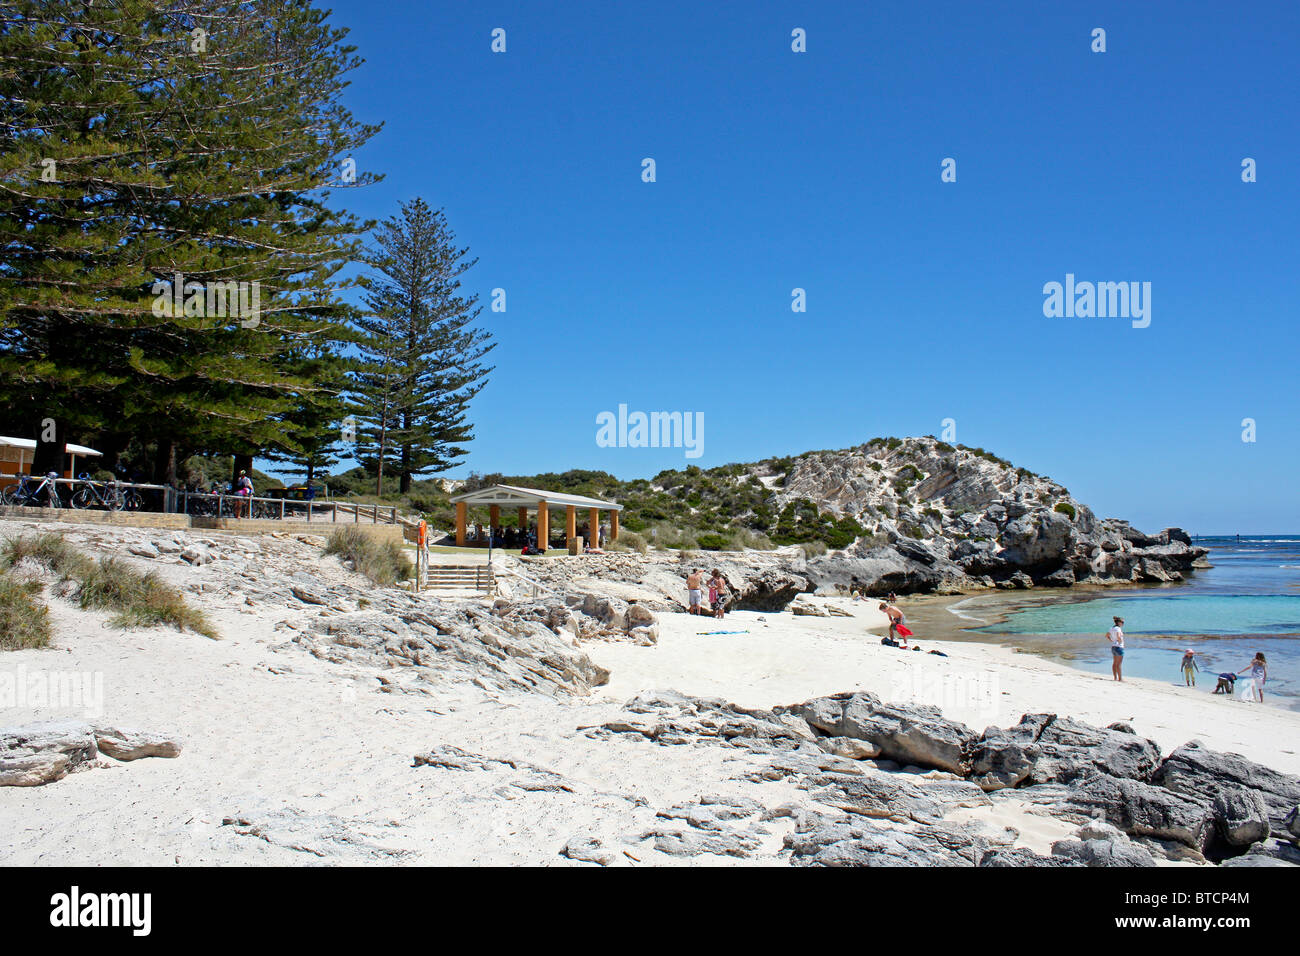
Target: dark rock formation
1044, 748
1142, 809
1101, 853
1208, 775
909, 733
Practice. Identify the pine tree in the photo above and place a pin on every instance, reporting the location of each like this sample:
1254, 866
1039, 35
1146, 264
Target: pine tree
142, 141
424, 358
315, 428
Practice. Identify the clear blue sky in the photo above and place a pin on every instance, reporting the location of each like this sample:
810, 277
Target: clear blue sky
821, 170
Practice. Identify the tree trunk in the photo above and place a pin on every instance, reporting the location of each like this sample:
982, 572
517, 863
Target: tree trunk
405, 484
49, 447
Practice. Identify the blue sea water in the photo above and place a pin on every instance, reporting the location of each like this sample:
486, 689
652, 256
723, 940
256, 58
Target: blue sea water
1248, 601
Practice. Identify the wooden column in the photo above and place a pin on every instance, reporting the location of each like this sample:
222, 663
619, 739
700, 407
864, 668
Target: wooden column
543, 524
613, 526
523, 518
593, 523
570, 525
461, 511
494, 516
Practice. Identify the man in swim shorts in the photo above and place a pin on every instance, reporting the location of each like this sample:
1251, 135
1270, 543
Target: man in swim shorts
694, 584
895, 619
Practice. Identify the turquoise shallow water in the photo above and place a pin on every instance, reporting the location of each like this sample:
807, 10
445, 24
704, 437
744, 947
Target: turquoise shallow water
1248, 602
1242, 615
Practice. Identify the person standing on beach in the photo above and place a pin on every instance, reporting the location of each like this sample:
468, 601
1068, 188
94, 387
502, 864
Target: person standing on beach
897, 623
1190, 667
718, 594
694, 580
1116, 637
1258, 670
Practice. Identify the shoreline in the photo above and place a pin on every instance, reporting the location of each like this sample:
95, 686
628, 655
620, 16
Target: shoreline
296, 754
787, 659
935, 613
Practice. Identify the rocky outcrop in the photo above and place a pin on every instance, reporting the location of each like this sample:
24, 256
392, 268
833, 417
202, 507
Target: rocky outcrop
1142, 809
128, 744
907, 733
38, 754
758, 580
1215, 779
603, 616
1100, 853
514, 645
1241, 816
1045, 748
889, 786
947, 519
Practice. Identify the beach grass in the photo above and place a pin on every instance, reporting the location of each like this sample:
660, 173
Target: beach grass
24, 620
383, 562
136, 598
48, 550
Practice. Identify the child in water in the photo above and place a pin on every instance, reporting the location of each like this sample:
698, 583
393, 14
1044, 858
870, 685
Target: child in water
1258, 671
1190, 667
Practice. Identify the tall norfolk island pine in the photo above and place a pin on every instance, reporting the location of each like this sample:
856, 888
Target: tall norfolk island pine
422, 355
140, 141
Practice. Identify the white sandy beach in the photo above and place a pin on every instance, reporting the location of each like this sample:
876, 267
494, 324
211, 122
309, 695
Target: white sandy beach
785, 659
315, 758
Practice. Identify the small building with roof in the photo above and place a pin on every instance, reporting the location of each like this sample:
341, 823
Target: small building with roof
541, 503
16, 456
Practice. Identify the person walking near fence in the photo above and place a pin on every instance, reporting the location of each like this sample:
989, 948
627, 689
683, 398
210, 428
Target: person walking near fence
244, 488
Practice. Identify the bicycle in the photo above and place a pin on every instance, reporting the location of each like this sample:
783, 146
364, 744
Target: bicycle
87, 494
265, 509
24, 495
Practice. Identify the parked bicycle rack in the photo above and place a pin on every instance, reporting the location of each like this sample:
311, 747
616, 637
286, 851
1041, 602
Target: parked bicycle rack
169, 493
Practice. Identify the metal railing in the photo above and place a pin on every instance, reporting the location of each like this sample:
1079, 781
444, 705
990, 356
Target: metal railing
221, 505
224, 505
169, 494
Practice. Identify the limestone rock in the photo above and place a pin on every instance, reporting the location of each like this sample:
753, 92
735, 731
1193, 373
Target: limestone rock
908, 733
1143, 809
1102, 853
42, 753
1045, 748
1241, 816
196, 555
1198, 772
128, 744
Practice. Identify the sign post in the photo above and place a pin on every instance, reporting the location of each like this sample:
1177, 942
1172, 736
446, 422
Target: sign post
421, 553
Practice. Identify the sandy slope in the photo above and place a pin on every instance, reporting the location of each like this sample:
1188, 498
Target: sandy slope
316, 757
